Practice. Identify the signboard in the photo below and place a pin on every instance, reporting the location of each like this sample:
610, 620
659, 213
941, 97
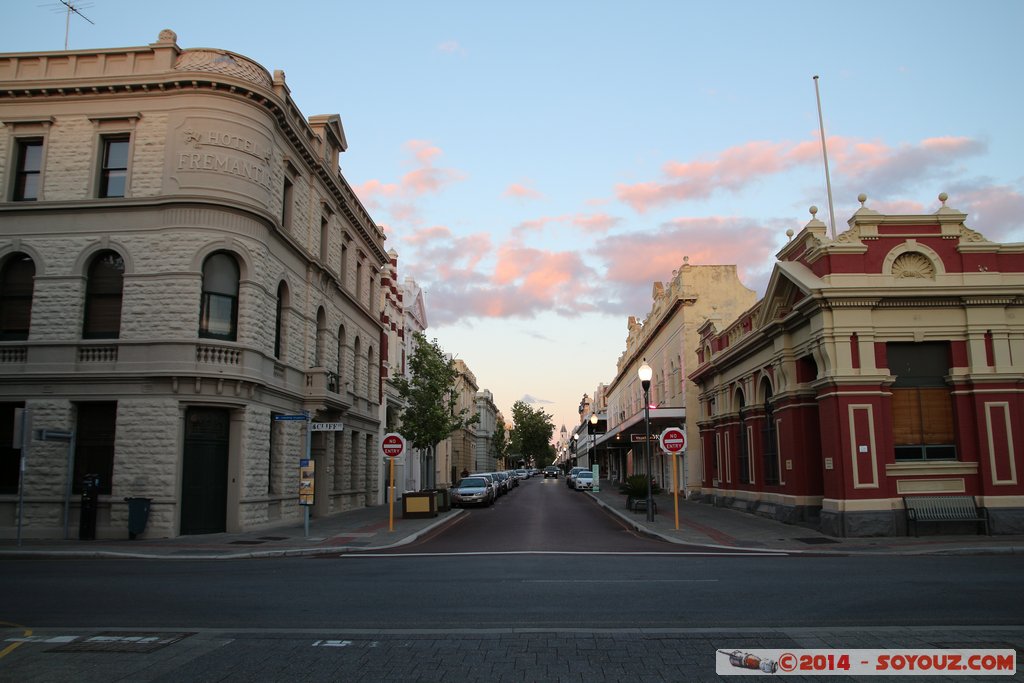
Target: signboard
673, 440
393, 445
307, 481
326, 426
279, 418
640, 438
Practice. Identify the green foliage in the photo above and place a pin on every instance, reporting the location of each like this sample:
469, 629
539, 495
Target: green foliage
635, 486
430, 416
531, 433
499, 440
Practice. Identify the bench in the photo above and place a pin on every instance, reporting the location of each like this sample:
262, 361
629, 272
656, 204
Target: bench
943, 509
641, 504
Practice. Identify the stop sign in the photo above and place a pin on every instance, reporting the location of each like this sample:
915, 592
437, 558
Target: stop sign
393, 445
673, 439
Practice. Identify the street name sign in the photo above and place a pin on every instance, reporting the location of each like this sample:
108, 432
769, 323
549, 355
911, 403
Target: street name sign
280, 418
640, 438
326, 426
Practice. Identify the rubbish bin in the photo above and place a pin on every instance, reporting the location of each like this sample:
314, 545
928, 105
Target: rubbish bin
138, 515
87, 512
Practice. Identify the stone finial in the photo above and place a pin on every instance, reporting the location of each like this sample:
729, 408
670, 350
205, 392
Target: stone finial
814, 211
167, 36
686, 260
789, 234
943, 197
862, 198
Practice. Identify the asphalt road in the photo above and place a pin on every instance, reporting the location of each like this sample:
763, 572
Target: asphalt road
542, 586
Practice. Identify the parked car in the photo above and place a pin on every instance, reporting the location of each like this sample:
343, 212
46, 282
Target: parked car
551, 471
472, 491
572, 475
523, 474
584, 480
492, 480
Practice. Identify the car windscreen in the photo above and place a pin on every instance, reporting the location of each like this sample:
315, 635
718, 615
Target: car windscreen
585, 474
473, 483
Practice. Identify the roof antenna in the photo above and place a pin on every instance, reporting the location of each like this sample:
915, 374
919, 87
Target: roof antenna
824, 153
69, 10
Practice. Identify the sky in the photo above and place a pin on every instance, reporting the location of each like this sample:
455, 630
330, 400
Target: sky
538, 165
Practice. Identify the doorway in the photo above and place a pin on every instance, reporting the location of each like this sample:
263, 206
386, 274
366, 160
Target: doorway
204, 476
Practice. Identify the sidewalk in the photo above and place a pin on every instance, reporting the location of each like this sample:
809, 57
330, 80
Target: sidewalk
722, 528
363, 529
366, 529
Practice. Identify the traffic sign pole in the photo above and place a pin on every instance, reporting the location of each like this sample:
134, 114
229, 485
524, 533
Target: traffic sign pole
392, 446
673, 442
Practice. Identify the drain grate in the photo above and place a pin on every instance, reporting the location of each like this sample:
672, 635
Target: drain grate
273, 538
122, 641
247, 542
815, 540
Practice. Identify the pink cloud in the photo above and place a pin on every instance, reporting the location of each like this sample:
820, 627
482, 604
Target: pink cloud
520, 191
996, 211
869, 165
595, 222
733, 169
635, 260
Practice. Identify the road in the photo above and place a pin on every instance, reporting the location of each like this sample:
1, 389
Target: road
544, 585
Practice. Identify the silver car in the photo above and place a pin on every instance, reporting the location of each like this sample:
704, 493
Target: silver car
472, 491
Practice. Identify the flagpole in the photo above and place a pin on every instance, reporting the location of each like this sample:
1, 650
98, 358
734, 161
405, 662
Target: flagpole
824, 153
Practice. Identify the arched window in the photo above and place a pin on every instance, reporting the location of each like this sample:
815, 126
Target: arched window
357, 386
371, 392
17, 280
280, 328
103, 291
218, 315
321, 338
341, 357
743, 445
769, 440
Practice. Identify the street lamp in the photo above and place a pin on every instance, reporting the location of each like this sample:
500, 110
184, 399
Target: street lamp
593, 436
645, 373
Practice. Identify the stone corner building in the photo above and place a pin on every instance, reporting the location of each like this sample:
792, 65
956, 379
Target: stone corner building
883, 363
181, 261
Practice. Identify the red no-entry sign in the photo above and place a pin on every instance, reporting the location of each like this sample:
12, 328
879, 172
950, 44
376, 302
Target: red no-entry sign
673, 440
393, 445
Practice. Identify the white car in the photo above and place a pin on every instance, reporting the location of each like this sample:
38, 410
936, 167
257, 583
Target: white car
584, 480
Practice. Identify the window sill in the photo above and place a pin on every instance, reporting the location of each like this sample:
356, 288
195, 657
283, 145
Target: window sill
930, 467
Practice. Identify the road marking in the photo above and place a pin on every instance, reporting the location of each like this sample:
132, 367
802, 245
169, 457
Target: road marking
575, 581
13, 646
702, 553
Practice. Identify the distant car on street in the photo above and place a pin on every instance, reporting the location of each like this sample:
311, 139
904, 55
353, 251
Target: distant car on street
584, 480
551, 471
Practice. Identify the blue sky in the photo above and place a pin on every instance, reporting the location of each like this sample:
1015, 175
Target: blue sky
538, 165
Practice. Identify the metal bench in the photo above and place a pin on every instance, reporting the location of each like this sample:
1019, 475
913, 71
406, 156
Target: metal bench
943, 509
641, 504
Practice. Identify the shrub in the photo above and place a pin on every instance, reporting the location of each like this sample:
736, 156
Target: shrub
636, 486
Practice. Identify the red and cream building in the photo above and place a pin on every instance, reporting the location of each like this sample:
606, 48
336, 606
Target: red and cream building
883, 363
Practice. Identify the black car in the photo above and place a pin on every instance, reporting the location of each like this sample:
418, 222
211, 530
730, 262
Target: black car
551, 471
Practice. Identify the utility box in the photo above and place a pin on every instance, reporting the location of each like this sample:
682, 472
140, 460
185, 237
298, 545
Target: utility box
90, 503
138, 515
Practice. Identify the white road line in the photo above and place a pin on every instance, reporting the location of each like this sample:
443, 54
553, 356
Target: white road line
356, 556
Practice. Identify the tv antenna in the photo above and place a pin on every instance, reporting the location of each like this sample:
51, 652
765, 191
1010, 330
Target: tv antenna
70, 8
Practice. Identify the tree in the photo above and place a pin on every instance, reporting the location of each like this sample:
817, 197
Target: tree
430, 416
531, 433
499, 441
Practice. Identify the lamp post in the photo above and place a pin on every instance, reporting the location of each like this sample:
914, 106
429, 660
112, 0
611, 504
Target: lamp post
575, 442
593, 437
645, 373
